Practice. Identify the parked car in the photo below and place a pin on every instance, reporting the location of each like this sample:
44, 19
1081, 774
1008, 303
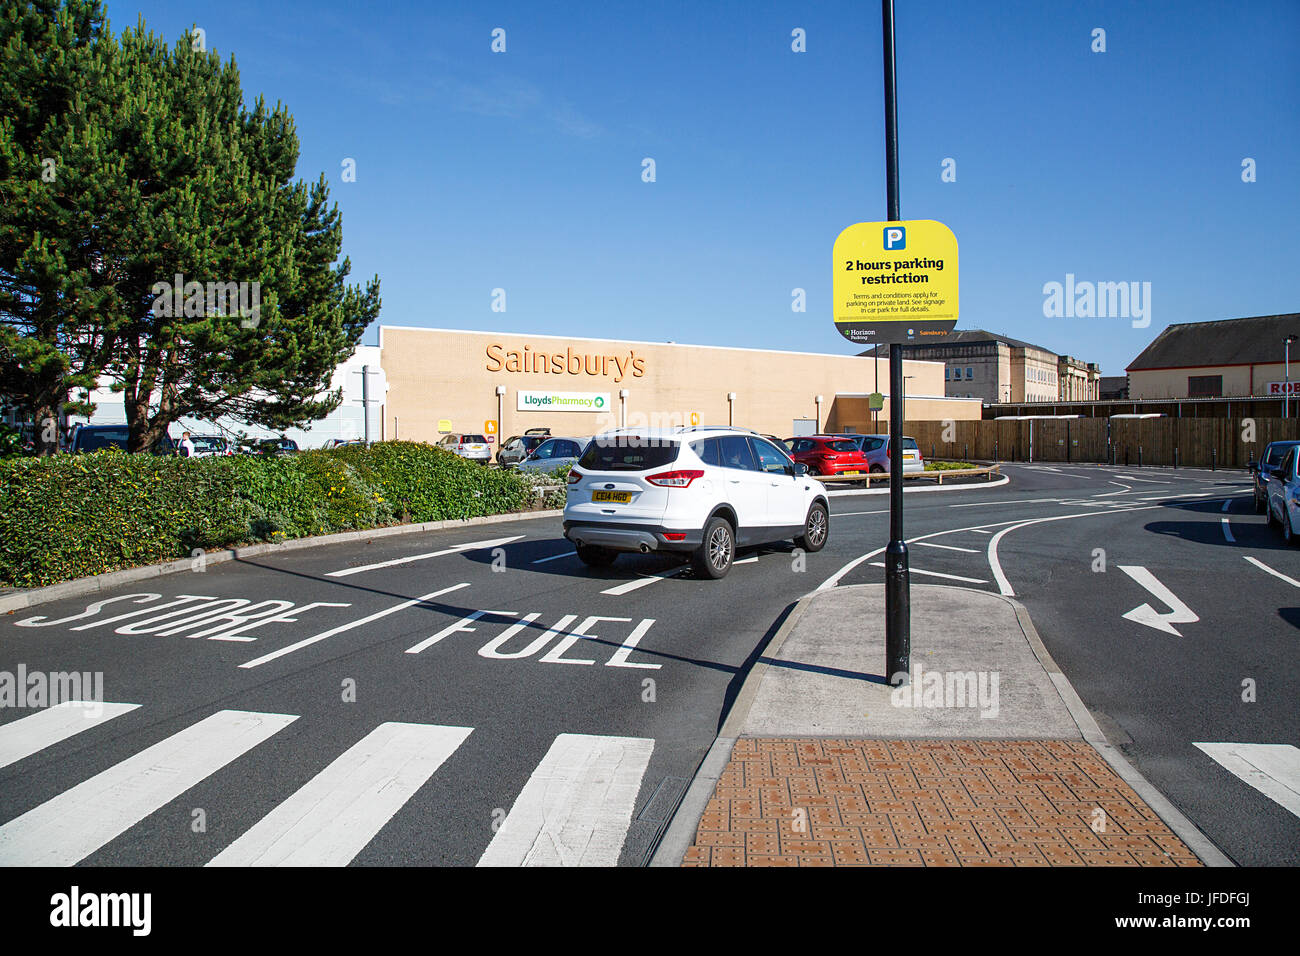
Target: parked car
98, 437
830, 455
473, 447
206, 446
554, 453
518, 447
1283, 488
876, 448
268, 446
1272, 456
700, 492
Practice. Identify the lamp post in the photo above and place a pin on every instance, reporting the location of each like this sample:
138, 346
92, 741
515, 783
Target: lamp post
1286, 388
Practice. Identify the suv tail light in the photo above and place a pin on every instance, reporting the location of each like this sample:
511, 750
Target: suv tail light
575, 476
675, 479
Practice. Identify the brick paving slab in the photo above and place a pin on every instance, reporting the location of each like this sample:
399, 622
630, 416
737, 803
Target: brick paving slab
799, 801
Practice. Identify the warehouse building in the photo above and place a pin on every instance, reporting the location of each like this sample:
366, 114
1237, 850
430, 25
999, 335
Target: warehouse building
1226, 358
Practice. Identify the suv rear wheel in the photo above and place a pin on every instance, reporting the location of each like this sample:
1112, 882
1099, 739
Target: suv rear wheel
596, 557
717, 551
816, 529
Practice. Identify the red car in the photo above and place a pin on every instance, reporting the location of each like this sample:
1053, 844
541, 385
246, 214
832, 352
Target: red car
828, 455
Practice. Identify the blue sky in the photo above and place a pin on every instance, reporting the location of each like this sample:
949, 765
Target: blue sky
523, 170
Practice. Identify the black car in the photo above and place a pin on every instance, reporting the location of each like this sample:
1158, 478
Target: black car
1273, 454
516, 449
98, 437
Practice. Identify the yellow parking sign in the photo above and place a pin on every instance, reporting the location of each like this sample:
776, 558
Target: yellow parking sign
895, 281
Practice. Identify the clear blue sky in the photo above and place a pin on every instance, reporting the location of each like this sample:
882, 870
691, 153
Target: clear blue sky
523, 170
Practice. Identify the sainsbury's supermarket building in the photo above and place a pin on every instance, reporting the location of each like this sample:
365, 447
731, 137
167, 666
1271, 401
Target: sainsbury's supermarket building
499, 383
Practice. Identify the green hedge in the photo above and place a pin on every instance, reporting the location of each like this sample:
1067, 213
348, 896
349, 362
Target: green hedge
74, 515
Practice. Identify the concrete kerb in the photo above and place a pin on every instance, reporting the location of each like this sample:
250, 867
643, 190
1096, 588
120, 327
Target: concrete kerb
681, 832
17, 601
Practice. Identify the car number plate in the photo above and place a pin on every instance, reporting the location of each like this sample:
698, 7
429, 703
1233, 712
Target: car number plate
618, 497
851, 472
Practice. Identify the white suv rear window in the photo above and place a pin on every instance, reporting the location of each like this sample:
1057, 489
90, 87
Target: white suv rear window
629, 454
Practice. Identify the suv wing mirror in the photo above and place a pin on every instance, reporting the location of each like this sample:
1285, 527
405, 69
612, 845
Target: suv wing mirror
800, 469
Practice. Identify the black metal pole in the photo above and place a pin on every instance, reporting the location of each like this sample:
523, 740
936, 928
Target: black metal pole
898, 608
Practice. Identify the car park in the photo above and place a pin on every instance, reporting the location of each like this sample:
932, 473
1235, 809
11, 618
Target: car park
1283, 489
1271, 457
554, 453
472, 447
876, 450
518, 447
697, 491
829, 455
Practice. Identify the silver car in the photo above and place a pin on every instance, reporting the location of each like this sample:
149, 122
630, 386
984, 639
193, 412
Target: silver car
473, 447
555, 453
876, 450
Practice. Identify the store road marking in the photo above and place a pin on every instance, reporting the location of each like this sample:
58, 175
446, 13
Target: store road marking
1272, 769
576, 807
1277, 574
69, 827
333, 816
27, 735
307, 642
455, 549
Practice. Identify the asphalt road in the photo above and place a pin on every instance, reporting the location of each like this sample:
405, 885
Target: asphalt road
453, 644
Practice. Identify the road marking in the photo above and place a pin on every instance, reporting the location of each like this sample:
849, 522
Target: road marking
459, 626
69, 827
307, 642
947, 547
1146, 614
1227, 530
470, 546
934, 574
746, 560
1150, 481
1277, 574
629, 586
850, 514
556, 557
577, 805
45, 728
980, 531
1227, 503
332, 817
1014, 501
1107, 494
1272, 769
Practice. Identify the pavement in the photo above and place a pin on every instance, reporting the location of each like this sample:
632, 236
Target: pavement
976, 761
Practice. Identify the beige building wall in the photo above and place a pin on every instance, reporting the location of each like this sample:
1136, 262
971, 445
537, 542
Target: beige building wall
1237, 379
437, 375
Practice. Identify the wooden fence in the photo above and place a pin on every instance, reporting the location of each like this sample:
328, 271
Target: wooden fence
1190, 442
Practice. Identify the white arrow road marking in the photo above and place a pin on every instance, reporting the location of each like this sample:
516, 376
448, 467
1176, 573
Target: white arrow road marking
577, 805
934, 574
27, 735
307, 642
1277, 574
1272, 769
469, 546
1146, 614
68, 828
335, 814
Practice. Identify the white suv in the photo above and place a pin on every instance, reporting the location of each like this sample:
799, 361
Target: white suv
702, 491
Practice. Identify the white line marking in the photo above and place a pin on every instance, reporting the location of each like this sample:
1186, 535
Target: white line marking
332, 817
980, 531
556, 557
1150, 481
1272, 769
1227, 503
641, 582
307, 642
457, 627
1277, 574
850, 514
934, 574
746, 560
469, 546
1180, 613
28, 735
1013, 501
947, 547
1227, 530
577, 805
68, 828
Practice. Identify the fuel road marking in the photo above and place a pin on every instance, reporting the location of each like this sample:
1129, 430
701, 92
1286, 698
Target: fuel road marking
455, 549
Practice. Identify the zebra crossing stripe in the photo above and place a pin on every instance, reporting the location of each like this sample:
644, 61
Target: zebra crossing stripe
71, 826
335, 814
577, 805
1272, 769
28, 735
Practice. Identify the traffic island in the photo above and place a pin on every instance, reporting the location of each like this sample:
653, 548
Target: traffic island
987, 758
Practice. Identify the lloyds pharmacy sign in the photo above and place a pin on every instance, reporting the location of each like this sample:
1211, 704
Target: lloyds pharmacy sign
562, 401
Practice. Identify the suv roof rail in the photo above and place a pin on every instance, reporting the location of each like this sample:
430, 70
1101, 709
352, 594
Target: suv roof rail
717, 428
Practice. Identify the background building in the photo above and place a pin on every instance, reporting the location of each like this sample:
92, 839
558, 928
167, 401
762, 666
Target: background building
1227, 358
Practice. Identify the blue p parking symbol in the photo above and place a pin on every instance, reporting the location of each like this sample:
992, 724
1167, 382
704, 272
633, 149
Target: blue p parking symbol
895, 237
